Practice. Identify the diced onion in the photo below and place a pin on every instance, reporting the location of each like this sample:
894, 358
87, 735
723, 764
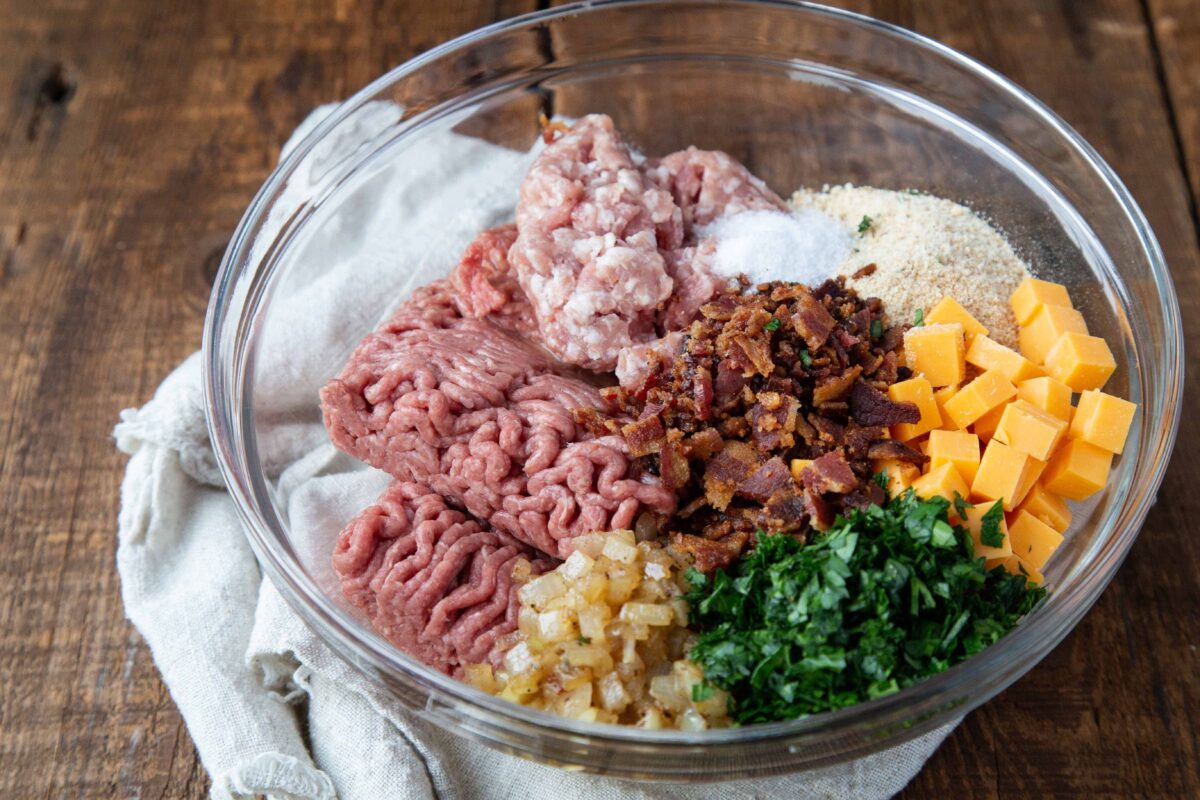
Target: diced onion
602, 638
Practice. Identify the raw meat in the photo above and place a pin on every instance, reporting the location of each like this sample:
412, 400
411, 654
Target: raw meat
479, 415
434, 582
588, 252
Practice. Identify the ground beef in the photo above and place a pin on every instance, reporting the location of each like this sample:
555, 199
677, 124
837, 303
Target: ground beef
479, 415
434, 582
590, 229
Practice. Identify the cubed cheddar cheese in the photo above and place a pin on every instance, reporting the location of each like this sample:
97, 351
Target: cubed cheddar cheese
798, 465
949, 310
993, 556
979, 397
940, 396
1033, 540
1016, 566
955, 447
917, 391
1001, 475
1036, 337
941, 481
1102, 420
1047, 394
991, 355
1032, 294
1048, 507
1029, 429
985, 426
1080, 361
937, 352
1078, 470
1033, 471
900, 474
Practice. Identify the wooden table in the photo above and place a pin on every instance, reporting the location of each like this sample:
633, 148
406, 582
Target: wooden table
132, 136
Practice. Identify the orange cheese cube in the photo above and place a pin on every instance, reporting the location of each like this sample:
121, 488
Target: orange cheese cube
993, 555
1033, 540
937, 352
918, 391
940, 396
955, 447
1029, 429
798, 465
1048, 507
942, 481
985, 426
987, 354
979, 397
1016, 566
1102, 420
1050, 322
1080, 361
948, 310
1001, 475
1032, 294
900, 474
1033, 471
1047, 394
1078, 470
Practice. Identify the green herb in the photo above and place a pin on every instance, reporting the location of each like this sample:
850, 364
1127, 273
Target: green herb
864, 224
916, 192
805, 358
702, 691
773, 325
882, 480
876, 328
961, 505
989, 526
585, 640
919, 318
887, 597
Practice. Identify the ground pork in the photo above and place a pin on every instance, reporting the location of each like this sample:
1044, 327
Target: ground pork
479, 415
433, 581
588, 252
707, 184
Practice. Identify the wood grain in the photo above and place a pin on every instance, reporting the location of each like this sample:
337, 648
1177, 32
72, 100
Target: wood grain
131, 140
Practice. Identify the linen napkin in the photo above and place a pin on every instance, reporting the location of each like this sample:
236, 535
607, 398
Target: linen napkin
273, 711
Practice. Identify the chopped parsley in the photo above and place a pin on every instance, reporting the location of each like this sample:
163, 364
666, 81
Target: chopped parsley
961, 505
773, 325
585, 640
989, 526
887, 597
876, 328
805, 358
702, 691
919, 318
864, 224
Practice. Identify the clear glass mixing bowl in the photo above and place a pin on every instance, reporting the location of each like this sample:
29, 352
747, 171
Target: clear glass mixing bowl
803, 95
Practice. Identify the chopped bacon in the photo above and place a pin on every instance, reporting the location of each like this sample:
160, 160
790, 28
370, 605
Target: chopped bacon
829, 473
835, 387
762, 376
765, 481
644, 436
890, 448
869, 406
812, 321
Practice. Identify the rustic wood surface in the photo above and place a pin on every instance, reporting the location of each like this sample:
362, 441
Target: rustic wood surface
132, 136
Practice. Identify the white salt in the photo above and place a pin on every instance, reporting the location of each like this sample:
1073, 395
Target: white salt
804, 246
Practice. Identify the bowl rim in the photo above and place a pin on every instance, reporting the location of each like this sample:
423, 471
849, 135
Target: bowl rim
304, 596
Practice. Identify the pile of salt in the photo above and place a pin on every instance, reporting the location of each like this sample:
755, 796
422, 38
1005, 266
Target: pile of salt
804, 246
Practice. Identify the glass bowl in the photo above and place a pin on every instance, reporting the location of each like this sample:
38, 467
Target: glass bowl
804, 95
